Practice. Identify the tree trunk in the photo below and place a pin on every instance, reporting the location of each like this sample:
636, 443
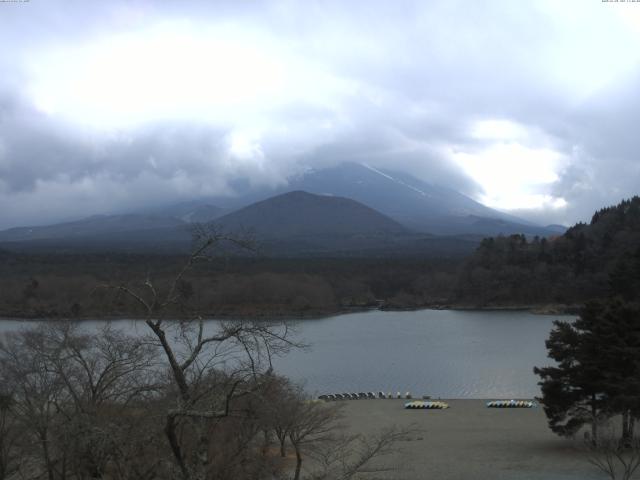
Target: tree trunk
283, 450
594, 433
203, 448
267, 442
170, 432
298, 462
594, 421
178, 373
627, 428
47, 459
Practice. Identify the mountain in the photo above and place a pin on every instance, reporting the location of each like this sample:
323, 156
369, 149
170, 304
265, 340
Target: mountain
398, 195
363, 196
299, 214
418, 205
291, 224
301, 223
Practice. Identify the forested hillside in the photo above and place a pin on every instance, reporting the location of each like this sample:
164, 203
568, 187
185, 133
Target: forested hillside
588, 261
66, 285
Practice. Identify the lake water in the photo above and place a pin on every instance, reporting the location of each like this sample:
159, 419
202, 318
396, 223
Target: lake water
442, 353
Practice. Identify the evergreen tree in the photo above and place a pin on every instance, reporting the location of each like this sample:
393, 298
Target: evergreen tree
571, 268
572, 391
598, 369
618, 326
624, 279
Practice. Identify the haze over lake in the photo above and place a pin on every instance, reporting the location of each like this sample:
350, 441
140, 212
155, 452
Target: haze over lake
442, 353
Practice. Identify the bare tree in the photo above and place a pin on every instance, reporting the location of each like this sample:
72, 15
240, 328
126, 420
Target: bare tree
186, 399
195, 356
312, 423
10, 436
315, 430
350, 456
616, 458
104, 367
37, 393
281, 401
72, 394
237, 445
103, 374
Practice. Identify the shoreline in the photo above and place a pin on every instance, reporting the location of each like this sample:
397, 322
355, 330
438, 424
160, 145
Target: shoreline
542, 309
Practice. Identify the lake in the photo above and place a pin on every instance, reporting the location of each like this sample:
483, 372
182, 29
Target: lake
442, 353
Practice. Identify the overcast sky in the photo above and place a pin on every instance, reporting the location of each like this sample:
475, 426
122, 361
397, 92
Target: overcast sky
529, 107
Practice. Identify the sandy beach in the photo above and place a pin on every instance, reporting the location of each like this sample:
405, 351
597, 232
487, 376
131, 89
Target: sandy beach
470, 441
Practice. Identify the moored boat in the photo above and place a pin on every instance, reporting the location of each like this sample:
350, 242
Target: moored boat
511, 404
422, 405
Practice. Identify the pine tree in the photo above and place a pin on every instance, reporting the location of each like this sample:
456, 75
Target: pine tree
598, 369
572, 391
624, 279
618, 326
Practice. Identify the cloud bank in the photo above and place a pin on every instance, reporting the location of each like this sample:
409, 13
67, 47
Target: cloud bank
120, 105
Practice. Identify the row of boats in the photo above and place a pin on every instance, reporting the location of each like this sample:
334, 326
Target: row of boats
421, 404
366, 395
418, 405
511, 404
492, 404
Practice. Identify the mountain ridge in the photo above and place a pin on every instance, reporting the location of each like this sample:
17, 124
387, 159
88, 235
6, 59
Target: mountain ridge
299, 213
418, 205
404, 210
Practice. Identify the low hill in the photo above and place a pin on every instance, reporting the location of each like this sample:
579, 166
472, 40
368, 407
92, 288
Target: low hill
92, 226
299, 214
194, 211
302, 224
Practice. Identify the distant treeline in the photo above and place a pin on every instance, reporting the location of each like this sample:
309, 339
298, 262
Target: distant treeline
70, 285
580, 265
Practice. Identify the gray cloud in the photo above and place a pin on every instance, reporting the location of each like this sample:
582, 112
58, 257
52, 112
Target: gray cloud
407, 83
